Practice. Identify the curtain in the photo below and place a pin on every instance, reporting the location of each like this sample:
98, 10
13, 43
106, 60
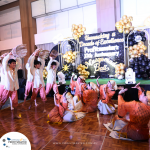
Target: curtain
108, 13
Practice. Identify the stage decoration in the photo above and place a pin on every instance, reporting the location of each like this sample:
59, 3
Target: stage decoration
70, 56
81, 70
78, 31
141, 66
66, 68
19, 51
45, 73
137, 49
125, 24
120, 71
130, 76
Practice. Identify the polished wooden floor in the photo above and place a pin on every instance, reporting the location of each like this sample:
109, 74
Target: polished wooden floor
85, 134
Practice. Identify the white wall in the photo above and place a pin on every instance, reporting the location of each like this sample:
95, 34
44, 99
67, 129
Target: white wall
57, 23
9, 15
139, 9
10, 43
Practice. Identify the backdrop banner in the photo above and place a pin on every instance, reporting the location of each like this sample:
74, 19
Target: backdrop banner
100, 52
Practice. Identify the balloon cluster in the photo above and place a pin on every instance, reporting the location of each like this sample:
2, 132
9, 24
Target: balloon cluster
119, 70
70, 56
135, 37
45, 73
137, 50
78, 31
81, 70
141, 66
125, 23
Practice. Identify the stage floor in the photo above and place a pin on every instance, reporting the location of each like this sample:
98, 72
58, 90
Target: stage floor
87, 133
119, 82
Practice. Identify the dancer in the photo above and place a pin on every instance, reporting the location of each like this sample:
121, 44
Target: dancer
38, 82
70, 114
136, 128
107, 91
51, 77
89, 99
57, 113
80, 83
11, 82
29, 84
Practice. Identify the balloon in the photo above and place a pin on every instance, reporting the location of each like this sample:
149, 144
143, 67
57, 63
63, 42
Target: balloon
131, 18
79, 29
135, 52
124, 17
132, 56
141, 51
117, 24
130, 48
126, 31
135, 47
144, 39
122, 72
145, 47
142, 34
84, 29
128, 25
131, 28
145, 76
138, 48
130, 43
140, 43
80, 26
146, 54
76, 27
125, 20
120, 31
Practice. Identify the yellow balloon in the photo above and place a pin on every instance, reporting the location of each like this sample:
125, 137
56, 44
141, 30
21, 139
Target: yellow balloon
146, 54
79, 29
135, 52
135, 46
141, 43
84, 29
125, 20
130, 48
76, 27
121, 22
130, 52
122, 72
74, 31
124, 17
128, 25
80, 26
131, 18
131, 28
132, 56
120, 31
122, 67
141, 51
81, 33
73, 25
126, 31
117, 24
145, 47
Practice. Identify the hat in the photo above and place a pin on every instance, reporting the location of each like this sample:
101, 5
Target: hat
114, 85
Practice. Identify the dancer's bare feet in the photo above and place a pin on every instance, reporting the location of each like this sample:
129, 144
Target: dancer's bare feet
122, 91
17, 117
44, 111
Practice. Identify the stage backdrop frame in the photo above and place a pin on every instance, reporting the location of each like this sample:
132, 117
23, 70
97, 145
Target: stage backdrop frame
101, 52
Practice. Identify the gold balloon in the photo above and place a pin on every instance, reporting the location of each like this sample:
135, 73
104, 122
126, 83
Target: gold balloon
130, 48
141, 43
83, 29
141, 51
138, 48
120, 31
118, 72
76, 27
122, 67
142, 46
135, 52
73, 25
132, 56
135, 55
74, 31
125, 20
131, 28
134, 46
79, 29
130, 52
122, 72
128, 25
146, 54
139, 54
126, 31
124, 17
121, 22
145, 47
80, 26
81, 33
117, 24
131, 18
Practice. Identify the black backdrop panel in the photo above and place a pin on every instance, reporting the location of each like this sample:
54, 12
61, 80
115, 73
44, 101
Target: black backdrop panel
100, 52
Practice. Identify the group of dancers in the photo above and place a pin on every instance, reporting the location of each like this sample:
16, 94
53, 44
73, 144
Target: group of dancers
132, 119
